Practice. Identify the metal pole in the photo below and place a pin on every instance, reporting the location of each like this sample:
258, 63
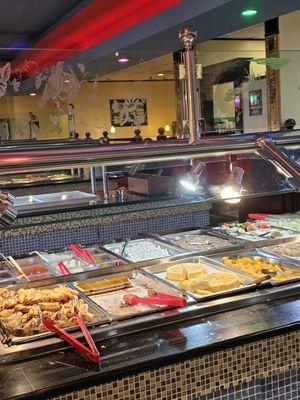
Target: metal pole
93, 179
71, 120
188, 35
276, 154
105, 184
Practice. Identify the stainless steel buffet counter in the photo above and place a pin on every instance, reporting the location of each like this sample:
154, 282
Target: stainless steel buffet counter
104, 288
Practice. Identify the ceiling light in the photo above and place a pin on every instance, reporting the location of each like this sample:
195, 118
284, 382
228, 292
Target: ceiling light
160, 74
249, 12
116, 53
67, 80
32, 94
123, 60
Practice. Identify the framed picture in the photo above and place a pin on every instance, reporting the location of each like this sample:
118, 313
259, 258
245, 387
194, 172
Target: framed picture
255, 103
128, 112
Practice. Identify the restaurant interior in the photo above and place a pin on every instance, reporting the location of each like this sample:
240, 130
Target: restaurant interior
149, 200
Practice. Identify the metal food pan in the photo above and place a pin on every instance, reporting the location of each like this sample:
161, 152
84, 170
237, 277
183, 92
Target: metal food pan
269, 251
52, 259
257, 253
160, 271
116, 248
101, 318
248, 237
175, 237
105, 301
6, 265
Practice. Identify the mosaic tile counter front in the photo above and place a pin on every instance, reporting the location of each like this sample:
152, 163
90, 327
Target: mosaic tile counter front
260, 370
55, 231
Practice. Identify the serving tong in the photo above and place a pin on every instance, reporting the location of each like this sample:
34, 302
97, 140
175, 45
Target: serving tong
155, 298
90, 352
87, 255
83, 253
63, 268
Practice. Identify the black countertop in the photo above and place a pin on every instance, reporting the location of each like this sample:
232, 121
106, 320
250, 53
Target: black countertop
67, 371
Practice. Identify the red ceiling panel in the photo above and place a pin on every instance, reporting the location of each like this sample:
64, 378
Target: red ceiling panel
93, 24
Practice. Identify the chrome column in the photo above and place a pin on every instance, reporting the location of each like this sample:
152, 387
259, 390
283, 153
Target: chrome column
93, 179
188, 35
105, 184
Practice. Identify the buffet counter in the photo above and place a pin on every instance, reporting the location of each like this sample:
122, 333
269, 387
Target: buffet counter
176, 309
228, 336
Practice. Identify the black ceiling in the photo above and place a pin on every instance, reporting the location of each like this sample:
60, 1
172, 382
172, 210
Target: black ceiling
23, 21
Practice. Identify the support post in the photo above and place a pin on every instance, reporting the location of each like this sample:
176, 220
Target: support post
105, 184
188, 35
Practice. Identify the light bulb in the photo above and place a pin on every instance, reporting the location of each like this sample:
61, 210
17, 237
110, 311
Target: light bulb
188, 185
167, 128
229, 192
112, 129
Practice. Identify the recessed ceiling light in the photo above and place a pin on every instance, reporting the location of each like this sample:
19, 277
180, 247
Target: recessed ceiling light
32, 94
116, 53
67, 80
249, 12
160, 74
123, 60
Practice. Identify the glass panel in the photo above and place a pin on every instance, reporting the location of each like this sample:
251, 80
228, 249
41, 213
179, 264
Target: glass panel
130, 97
293, 152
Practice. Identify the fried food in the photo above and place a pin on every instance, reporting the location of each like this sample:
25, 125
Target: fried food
22, 311
260, 266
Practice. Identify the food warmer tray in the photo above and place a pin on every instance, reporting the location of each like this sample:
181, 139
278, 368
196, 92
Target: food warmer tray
137, 277
102, 318
160, 271
58, 200
172, 238
9, 274
268, 251
115, 249
248, 237
257, 253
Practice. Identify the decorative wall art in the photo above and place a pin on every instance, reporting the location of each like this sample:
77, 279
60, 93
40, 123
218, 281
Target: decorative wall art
128, 112
255, 103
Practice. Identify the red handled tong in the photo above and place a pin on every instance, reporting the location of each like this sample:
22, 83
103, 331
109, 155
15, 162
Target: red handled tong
83, 253
155, 298
92, 352
258, 216
63, 268
87, 255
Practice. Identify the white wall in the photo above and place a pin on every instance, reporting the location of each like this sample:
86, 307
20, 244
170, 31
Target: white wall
216, 51
289, 28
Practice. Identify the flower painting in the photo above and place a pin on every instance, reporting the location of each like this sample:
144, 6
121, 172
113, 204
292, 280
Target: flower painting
128, 112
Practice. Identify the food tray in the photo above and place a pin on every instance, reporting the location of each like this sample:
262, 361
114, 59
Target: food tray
160, 271
32, 268
110, 301
262, 234
196, 235
256, 253
104, 259
74, 263
101, 318
9, 274
166, 249
270, 251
